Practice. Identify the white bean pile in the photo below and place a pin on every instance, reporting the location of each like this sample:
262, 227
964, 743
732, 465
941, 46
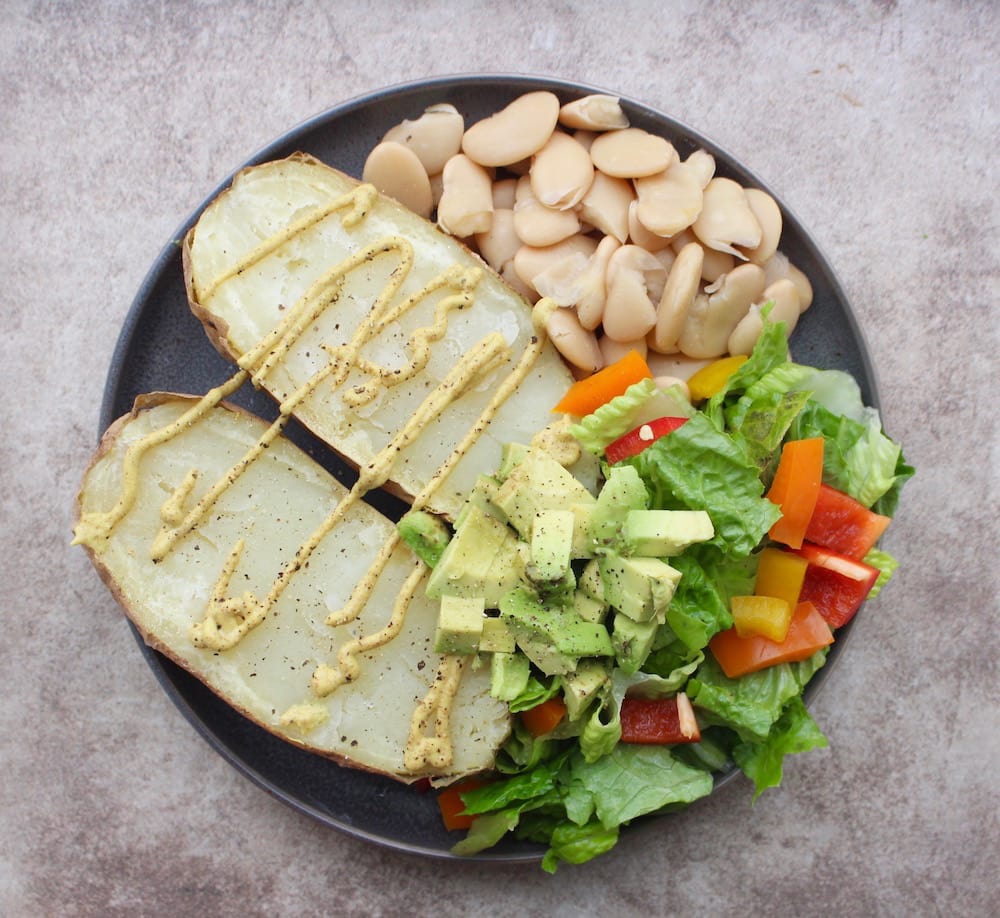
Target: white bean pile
644, 251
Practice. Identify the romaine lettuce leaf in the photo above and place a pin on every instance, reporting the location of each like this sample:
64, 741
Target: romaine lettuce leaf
700, 468
576, 844
794, 731
751, 704
886, 565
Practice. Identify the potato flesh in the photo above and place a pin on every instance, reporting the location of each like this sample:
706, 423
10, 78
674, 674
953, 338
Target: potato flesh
266, 199
277, 503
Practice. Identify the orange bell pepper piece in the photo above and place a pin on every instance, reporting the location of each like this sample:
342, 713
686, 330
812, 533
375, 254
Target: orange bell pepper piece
452, 805
807, 633
795, 489
544, 718
589, 394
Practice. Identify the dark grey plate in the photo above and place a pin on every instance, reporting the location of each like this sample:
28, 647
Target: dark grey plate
162, 347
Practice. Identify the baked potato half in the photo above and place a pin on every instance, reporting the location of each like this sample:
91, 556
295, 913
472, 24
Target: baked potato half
299, 256
398, 714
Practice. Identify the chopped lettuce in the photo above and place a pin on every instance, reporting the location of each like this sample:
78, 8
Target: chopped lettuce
886, 566
794, 731
698, 467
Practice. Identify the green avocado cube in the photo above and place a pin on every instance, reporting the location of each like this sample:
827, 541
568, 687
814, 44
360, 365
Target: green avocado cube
496, 637
581, 686
632, 642
509, 674
460, 624
589, 609
551, 544
622, 492
666, 533
640, 588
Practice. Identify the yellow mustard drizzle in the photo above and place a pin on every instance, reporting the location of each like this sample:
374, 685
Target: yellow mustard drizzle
228, 619
362, 590
327, 678
423, 751
94, 529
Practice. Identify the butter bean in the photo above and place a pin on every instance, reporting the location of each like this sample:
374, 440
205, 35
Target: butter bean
679, 292
665, 257
396, 171
702, 163
466, 205
785, 299
726, 220
713, 317
593, 284
533, 260
514, 133
561, 172
678, 366
435, 137
802, 285
715, 265
670, 382
632, 153
574, 342
767, 213
538, 225
606, 203
670, 201
639, 235
613, 351
499, 244
504, 193
635, 282
594, 113
513, 280
561, 281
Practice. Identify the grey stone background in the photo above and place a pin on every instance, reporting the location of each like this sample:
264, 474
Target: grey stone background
878, 124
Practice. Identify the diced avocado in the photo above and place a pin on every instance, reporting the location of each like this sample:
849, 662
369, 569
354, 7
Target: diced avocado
481, 496
641, 588
511, 456
583, 685
632, 641
483, 558
460, 625
540, 483
665, 533
425, 535
589, 609
496, 637
622, 492
551, 541
549, 660
540, 629
591, 583
509, 673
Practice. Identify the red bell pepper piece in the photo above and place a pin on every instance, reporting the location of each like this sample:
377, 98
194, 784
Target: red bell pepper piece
659, 721
835, 584
843, 524
807, 633
635, 441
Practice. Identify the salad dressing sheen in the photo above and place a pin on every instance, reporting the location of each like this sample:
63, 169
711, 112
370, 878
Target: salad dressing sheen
227, 619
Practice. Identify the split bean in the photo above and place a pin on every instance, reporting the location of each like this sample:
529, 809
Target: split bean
594, 113
435, 137
562, 172
573, 341
726, 220
538, 225
466, 205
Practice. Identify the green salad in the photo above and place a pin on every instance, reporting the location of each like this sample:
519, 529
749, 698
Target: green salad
649, 636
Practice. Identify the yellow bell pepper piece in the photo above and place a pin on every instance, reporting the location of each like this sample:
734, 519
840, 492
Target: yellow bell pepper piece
766, 616
710, 379
780, 574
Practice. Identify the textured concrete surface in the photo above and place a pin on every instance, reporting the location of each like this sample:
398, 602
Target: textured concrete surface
878, 123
